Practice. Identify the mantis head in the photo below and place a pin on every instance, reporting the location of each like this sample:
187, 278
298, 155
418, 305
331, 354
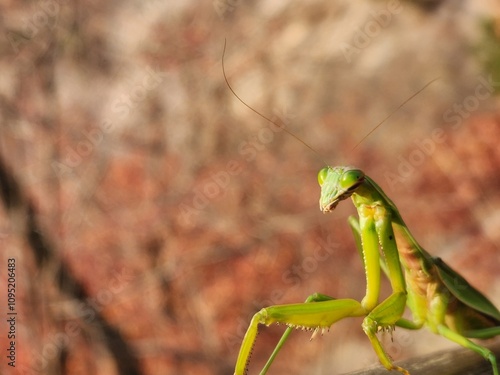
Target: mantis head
337, 183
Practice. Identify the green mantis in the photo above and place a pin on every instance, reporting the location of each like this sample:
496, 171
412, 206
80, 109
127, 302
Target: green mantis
437, 296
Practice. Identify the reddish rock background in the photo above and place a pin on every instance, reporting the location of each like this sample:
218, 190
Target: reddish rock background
150, 214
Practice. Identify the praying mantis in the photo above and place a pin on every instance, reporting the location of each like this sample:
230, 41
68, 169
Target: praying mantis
437, 296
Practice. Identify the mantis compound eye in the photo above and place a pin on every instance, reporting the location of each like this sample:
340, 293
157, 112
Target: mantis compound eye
322, 175
351, 179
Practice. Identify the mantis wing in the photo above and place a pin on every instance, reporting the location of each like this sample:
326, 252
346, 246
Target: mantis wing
465, 292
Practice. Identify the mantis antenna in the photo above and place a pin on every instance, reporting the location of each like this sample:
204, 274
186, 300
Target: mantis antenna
393, 112
263, 116
298, 138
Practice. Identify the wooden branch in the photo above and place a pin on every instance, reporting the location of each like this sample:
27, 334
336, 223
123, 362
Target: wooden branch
449, 362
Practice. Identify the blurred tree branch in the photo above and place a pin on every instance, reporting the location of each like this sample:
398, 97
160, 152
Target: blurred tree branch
20, 209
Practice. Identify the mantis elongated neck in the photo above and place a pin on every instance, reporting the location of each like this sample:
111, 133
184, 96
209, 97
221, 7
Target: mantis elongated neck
367, 195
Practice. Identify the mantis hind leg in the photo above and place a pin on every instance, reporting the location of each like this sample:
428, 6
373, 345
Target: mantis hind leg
436, 322
317, 313
466, 343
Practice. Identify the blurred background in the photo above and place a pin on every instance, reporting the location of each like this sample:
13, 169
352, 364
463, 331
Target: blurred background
150, 214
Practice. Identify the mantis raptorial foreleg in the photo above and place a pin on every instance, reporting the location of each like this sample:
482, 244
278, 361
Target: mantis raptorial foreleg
318, 313
316, 297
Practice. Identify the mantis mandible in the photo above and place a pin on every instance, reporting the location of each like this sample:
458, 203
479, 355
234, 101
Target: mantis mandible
437, 296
